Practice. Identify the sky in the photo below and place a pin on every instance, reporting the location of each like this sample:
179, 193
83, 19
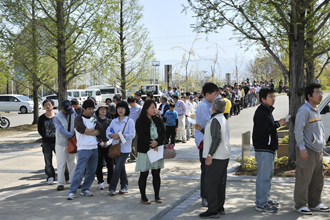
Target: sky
169, 27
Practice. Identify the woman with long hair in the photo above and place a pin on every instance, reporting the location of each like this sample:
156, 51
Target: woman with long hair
151, 134
126, 125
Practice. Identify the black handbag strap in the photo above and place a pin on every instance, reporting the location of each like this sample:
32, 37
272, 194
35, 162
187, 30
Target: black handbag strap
69, 126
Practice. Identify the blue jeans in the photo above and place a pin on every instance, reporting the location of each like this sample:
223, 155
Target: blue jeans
265, 172
253, 100
119, 172
87, 160
246, 101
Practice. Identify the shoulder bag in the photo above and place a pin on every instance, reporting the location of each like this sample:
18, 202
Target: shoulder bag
72, 141
115, 150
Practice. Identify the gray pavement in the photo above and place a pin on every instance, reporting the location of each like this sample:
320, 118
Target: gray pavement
25, 194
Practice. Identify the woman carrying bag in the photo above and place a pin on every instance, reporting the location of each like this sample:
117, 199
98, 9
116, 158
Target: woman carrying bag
123, 124
151, 134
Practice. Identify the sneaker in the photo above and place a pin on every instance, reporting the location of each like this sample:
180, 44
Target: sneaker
273, 203
177, 141
60, 188
112, 193
101, 186
266, 208
50, 180
320, 208
86, 193
209, 215
204, 202
123, 191
304, 211
184, 142
131, 160
71, 196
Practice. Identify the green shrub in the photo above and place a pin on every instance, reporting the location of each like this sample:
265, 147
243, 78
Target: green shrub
250, 165
285, 140
286, 127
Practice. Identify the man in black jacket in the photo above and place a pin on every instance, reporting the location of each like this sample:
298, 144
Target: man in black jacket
265, 142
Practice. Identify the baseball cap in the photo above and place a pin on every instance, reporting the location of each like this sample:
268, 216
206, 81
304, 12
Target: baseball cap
67, 107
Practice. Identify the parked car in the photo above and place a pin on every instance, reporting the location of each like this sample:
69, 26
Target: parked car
54, 98
324, 109
16, 102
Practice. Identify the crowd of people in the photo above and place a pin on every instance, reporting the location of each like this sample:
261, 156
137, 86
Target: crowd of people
138, 126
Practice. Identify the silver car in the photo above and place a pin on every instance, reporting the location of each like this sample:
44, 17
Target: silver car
15, 102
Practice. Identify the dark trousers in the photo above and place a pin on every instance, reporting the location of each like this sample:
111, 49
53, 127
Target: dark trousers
103, 154
47, 150
203, 168
215, 184
237, 107
170, 132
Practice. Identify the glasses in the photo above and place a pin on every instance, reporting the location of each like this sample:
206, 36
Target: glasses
318, 93
272, 97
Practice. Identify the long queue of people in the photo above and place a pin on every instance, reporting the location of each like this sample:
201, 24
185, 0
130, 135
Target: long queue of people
138, 126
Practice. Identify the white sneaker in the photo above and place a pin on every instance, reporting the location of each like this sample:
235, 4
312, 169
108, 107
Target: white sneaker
320, 208
50, 180
101, 186
71, 196
304, 211
86, 193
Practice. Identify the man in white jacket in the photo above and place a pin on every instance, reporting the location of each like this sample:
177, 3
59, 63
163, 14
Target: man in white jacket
87, 128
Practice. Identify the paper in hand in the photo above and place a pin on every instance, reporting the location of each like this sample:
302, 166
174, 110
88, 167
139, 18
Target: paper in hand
121, 137
156, 155
287, 117
192, 121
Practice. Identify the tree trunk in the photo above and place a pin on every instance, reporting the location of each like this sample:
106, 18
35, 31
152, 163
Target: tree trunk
35, 102
122, 53
61, 51
35, 67
309, 52
296, 74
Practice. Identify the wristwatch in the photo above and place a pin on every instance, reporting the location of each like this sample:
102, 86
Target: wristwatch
209, 155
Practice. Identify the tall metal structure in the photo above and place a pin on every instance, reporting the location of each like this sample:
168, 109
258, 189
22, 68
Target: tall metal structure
168, 75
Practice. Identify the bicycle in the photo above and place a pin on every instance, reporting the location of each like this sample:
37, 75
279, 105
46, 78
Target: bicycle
4, 122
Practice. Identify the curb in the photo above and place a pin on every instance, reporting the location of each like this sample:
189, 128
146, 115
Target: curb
176, 203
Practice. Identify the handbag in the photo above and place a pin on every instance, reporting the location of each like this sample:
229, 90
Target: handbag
72, 141
115, 150
169, 151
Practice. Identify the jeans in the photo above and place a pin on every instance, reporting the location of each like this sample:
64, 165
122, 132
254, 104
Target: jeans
246, 101
253, 100
119, 172
265, 172
203, 171
87, 160
47, 150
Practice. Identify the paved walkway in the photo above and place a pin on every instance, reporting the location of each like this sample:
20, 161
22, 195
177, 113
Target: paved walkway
25, 194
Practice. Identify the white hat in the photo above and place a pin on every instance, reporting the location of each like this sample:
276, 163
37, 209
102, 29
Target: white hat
101, 104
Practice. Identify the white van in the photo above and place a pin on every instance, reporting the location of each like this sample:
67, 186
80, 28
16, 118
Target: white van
79, 94
107, 92
324, 109
96, 93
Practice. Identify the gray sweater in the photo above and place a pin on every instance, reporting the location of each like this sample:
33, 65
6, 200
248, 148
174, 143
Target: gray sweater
309, 131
